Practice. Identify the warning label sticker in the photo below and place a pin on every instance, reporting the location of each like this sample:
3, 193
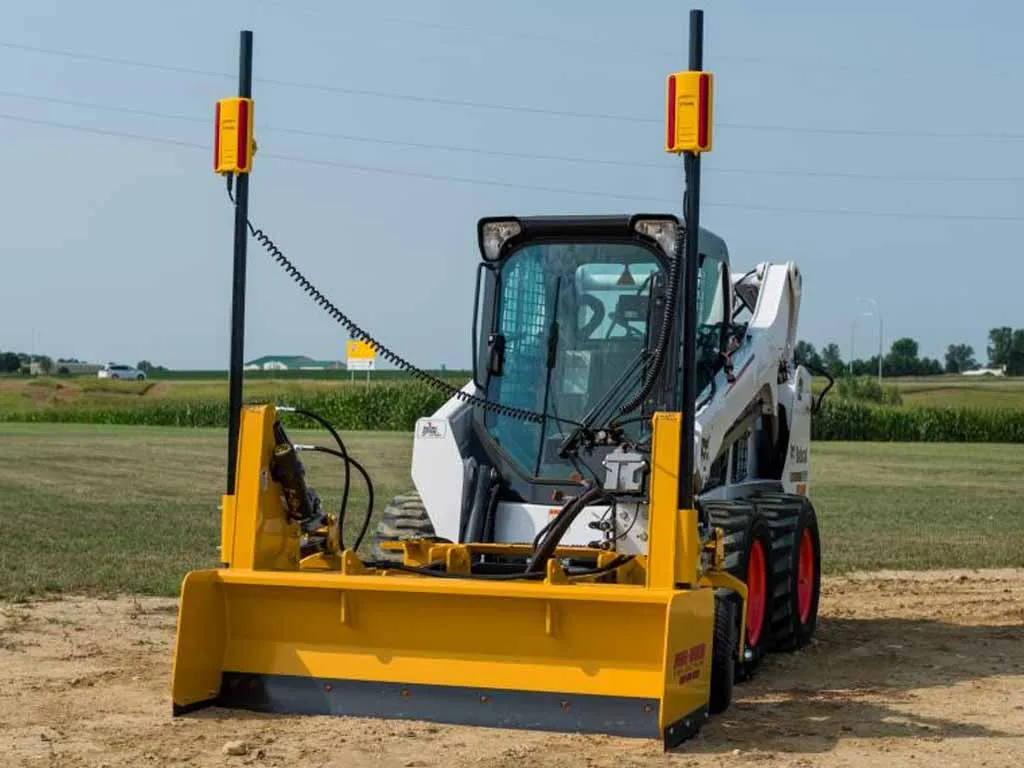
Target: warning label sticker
688, 665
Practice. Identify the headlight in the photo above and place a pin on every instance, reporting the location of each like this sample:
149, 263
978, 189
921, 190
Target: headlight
494, 234
664, 231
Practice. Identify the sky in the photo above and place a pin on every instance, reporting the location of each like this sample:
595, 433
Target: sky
879, 146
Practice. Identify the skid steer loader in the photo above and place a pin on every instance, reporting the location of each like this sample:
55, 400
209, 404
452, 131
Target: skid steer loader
543, 574
610, 522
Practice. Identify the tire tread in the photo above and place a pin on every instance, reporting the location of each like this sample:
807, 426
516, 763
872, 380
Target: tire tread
405, 517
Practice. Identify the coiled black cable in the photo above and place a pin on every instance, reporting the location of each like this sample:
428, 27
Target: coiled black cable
358, 333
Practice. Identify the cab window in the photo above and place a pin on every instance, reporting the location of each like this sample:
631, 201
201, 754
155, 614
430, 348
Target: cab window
712, 318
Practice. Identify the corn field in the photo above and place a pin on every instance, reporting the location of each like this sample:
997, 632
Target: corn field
388, 407
848, 420
395, 407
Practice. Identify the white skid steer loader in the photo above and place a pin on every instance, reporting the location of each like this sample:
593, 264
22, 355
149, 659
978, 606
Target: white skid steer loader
569, 559
570, 313
549, 510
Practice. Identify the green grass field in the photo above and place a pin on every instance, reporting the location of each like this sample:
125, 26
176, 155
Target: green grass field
129, 509
957, 391
22, 394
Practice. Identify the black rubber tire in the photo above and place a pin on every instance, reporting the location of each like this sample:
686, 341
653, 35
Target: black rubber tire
723, 652
788, 516
742, 525
405, 517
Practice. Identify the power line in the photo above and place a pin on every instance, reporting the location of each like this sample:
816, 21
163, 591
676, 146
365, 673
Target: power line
489, 32
103, 107
526, 109
606, 44
513, 185
854, 175
663, 166
332, 88
332, 135
105, 132
112, 60
331, 163
881, 132
858, 212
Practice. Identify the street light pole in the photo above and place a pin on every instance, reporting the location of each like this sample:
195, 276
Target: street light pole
879, 349
878, 314
853, 336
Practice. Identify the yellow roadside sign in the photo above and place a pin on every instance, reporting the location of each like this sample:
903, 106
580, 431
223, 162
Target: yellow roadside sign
360, 355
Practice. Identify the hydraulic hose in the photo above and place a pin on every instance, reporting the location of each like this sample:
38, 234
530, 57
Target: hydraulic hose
579, 573
538, 561
816, 404
343, 453
664, 333
369, 489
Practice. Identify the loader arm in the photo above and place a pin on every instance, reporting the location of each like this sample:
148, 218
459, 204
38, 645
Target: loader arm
744, 402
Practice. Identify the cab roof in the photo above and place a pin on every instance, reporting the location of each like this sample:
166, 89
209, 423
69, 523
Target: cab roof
615, 225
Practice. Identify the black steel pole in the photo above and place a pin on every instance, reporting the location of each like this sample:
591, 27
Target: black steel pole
238, 278
691, 215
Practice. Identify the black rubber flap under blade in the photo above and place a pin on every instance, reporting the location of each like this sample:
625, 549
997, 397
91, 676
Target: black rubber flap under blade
531, 710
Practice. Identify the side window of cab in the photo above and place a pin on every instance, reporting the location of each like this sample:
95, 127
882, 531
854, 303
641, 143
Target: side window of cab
712, 317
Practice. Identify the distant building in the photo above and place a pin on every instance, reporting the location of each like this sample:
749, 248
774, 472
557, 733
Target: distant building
63, 367
292, 363
986, 372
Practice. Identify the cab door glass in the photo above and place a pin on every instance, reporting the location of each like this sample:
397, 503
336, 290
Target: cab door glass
711, 313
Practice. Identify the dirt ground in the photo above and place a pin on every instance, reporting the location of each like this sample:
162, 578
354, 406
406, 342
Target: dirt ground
907, 669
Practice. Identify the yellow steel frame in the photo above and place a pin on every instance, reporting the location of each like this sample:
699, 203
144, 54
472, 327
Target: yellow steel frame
644, 632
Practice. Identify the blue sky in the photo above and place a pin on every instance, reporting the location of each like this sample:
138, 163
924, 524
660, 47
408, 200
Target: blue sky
117, 248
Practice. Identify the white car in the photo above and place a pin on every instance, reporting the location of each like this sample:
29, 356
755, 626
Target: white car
125, 372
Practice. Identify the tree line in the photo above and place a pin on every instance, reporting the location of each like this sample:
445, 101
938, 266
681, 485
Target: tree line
20, 362
13, 362
1005, 350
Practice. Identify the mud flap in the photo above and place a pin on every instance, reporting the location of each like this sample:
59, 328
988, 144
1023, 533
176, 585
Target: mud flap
581, 657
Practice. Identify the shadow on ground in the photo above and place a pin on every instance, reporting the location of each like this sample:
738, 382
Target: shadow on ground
868, 678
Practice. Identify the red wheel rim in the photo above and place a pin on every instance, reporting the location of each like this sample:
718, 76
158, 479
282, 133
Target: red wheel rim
756, 593
805, 576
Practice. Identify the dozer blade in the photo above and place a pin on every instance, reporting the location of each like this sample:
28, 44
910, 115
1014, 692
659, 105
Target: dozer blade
580, 657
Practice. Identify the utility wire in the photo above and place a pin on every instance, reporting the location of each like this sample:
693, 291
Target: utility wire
606, 45
331, 88
522, 108
105, 132
663, 166
512, 185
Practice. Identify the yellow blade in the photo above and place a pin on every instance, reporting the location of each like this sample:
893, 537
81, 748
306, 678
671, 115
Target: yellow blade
607, 658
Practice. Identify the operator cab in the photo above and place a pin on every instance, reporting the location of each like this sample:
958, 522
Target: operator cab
573, 328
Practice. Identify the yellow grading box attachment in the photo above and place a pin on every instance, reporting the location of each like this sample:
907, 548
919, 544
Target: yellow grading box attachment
328, 635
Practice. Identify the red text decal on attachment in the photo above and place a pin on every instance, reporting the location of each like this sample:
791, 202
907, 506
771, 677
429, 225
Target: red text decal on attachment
688, 664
